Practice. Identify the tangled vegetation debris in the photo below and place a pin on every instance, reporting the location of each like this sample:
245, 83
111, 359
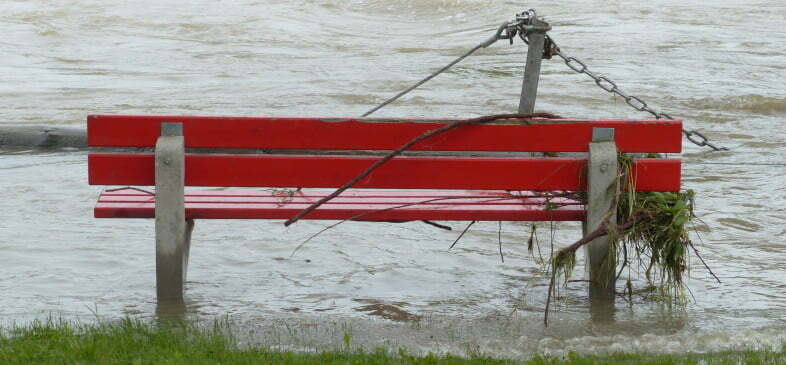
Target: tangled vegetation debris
651, 229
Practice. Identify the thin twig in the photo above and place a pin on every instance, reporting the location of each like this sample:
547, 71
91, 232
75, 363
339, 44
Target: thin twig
479, 120
691, 293
702, 261
356, 216
499, 239
462, 234
624, 264
537, 242
435, 224
624, 261
131, 188
440, 226
548, 298
551, 250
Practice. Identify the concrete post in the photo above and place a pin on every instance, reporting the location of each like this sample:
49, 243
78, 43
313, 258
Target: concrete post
529, 88
173, 232
602, 188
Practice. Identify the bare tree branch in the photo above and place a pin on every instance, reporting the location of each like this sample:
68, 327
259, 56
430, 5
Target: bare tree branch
479, 120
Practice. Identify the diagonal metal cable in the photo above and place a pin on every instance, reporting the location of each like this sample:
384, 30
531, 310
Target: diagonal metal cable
493, 39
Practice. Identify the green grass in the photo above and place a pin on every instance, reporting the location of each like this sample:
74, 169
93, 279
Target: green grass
134, 342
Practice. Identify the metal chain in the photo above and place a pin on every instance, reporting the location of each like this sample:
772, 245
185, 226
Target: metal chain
635, 102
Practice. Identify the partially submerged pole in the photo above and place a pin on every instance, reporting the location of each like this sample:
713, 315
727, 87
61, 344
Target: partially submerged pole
173, 231
601, 191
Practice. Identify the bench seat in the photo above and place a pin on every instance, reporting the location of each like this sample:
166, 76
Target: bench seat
361, 205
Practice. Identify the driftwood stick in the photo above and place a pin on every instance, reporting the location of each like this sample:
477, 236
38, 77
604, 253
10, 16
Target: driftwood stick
389, 156
601, 231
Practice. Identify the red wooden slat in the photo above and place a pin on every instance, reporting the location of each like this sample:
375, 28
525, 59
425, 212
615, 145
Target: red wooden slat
307, 197
365, 212
404, 172
338, 200
351, 193
211, 211
656, 174
381, 134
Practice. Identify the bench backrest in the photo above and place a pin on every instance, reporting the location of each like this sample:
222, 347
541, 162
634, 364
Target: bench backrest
296, 165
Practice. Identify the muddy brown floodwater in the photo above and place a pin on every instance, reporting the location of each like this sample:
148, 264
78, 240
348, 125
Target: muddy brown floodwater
717, 64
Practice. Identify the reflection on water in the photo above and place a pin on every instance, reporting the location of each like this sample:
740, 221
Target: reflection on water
171, 310
69, 58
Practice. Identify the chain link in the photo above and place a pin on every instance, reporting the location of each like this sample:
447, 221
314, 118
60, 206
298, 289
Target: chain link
635, 102
701, 140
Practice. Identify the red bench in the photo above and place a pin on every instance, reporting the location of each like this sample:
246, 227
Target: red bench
434, 184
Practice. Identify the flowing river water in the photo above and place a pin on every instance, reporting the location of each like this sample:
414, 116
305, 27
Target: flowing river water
720, 65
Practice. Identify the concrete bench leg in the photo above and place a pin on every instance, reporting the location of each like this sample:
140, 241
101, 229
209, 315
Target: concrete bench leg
602, 188
173, 231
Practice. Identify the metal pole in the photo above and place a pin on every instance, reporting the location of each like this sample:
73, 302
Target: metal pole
529, 89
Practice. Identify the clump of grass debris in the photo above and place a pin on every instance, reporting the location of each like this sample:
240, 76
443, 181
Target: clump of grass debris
651, 229
660, 231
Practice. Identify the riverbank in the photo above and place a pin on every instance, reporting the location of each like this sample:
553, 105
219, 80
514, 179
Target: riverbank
134, 341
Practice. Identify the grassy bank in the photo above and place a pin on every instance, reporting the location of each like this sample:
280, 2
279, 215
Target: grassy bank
134, 342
